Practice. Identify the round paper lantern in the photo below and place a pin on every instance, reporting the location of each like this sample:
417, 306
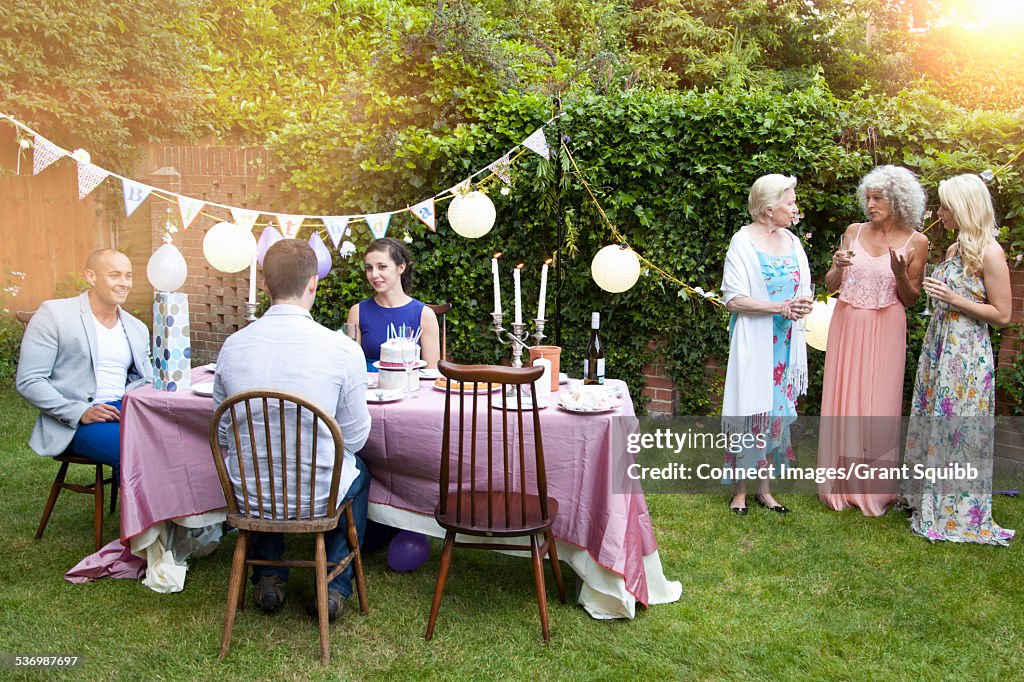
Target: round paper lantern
166, 269
408, 551
615, 268
323, 256
267, 239
471, 215
817, 322
229, 247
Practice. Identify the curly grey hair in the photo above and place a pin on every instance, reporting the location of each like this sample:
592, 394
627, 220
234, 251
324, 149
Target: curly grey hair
901, 188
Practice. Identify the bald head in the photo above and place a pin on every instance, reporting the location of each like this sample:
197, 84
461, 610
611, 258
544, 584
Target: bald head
97, 259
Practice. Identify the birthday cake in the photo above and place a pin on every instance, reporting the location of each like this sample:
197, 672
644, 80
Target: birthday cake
395, 350
392, 375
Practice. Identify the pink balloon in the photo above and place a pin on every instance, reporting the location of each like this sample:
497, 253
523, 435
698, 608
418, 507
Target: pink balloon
323, 256
266, 240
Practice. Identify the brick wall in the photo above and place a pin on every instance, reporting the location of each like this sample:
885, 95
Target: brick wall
229, 175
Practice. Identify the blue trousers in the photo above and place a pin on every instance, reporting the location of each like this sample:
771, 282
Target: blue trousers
270, 546
100, 442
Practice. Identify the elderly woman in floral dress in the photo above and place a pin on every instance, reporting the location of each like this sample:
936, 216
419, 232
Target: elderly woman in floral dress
764, 286
952, 413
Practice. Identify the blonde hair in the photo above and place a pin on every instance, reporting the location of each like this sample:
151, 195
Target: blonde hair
766, 192
967, 197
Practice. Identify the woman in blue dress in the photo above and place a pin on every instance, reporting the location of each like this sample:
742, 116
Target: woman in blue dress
765, 287
389, 271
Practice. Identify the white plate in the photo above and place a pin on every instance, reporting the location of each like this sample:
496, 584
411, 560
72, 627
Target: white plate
205, 388
384, 397
430, 373
419, 365
579, 411
511, 403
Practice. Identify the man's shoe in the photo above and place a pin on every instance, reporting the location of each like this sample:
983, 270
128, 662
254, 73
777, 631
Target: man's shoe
335, 603
269, 593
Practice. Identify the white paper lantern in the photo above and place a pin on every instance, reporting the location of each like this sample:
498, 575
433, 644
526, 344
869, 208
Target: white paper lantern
615, 268
166, 269
229, 247
471, 215
818, 322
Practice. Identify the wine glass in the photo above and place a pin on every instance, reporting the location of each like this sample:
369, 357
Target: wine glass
809, 294
929, 271
410, 358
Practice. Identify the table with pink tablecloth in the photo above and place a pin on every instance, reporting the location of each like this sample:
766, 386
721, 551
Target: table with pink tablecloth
607, 537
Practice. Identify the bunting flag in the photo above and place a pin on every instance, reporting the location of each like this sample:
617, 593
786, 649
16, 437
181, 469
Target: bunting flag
425, 212
45, 153
290, 224
134, 194
461, 188
378, 223
89, 177
190, 208
337, 227
503, 169
538, 143
244, 218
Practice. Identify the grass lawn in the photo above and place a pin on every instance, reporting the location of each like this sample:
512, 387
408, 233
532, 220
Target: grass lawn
815, 595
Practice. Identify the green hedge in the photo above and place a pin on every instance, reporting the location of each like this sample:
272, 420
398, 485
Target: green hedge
672, 171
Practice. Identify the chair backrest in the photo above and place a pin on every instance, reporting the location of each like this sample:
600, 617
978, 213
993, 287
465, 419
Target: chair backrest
273, 477
441, 310
24, 316
512, 460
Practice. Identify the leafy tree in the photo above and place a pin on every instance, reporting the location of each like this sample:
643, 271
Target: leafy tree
104, 75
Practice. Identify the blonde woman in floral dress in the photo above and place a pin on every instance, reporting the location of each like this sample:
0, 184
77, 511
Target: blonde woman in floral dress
952, 415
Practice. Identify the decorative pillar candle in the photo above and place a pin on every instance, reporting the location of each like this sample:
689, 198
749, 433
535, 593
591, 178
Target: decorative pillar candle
252, 281
497, 284
541, 307
172, 352
518, 293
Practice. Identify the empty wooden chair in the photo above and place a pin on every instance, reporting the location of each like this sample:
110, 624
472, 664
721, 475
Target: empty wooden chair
280, 498
66, 459
498, 486
442, 310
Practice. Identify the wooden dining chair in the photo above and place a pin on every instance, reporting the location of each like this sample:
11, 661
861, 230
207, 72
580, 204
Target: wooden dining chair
277, 494
66, 459
442, 310
498, 487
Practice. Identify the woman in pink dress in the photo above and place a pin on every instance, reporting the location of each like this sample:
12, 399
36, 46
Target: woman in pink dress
877, 271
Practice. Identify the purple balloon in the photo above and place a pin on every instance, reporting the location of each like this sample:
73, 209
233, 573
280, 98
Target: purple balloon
266, 240
408, 551
323, 256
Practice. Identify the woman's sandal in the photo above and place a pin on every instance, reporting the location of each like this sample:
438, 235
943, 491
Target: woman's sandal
777, 508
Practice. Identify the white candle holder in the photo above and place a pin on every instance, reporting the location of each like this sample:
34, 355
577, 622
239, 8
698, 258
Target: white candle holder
250, 310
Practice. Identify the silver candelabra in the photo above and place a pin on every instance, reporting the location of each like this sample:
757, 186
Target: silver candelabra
517, 337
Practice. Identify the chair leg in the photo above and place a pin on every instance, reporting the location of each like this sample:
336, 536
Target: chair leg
538, 579
235, 586
58, 484
97, 499
321, 599
442, 578
556, 569
113, 491
357, 560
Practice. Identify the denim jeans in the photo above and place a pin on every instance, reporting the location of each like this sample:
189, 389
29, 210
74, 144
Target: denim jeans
100, 442
270, 546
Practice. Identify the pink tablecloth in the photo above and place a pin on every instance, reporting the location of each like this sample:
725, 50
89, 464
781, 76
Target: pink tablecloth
167, 472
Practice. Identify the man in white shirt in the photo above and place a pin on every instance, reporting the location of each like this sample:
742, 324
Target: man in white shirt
79, 356
286, 350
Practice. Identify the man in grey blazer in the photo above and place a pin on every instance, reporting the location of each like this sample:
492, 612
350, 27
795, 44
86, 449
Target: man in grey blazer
78, 358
